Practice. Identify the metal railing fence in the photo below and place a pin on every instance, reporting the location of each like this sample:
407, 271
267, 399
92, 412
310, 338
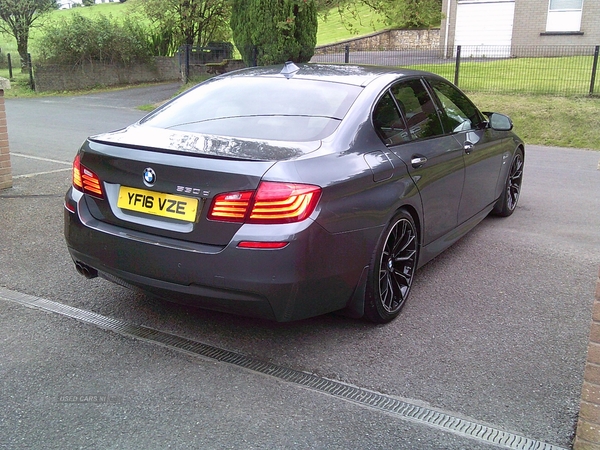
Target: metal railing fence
554, 70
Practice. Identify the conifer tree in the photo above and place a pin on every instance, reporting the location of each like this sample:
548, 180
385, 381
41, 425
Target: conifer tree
274, 31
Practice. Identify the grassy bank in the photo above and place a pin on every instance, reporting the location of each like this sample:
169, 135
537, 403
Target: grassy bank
331, 28
542, 75
554, 121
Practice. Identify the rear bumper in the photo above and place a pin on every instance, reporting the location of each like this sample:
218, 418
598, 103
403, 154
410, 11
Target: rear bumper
316, 273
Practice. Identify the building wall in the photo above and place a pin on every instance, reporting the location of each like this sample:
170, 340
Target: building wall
448, 26
529, 28
5, 167
530, 25
588, 425
65, 4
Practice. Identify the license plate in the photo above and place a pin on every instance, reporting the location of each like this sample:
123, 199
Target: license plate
158, 204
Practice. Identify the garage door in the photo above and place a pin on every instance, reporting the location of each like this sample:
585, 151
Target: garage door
485, 24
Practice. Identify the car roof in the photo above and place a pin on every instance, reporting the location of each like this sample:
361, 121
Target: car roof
358, 75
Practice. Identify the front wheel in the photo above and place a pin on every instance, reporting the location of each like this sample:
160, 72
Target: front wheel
507, 203
392, 269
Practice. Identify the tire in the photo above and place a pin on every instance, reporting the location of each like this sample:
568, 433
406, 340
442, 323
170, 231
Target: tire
392, 268
507, 203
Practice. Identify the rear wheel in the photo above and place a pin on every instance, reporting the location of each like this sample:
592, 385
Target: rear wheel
508, 201
392, 268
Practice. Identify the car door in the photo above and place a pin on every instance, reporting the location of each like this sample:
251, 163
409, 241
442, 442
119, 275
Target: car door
482, 151
407, 120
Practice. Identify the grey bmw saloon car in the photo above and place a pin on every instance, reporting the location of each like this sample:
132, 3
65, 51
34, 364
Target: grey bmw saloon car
285, 193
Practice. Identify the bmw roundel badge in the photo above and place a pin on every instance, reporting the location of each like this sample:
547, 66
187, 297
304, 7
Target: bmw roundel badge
149, 177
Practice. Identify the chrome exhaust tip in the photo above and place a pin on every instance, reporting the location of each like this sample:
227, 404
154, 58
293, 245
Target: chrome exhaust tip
85, 270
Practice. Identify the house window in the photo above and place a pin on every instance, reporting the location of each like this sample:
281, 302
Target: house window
564, 15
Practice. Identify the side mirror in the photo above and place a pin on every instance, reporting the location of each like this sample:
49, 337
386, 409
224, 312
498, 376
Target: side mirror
499, 122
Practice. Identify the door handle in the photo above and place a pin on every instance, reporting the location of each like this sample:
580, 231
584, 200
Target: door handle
468, 147
418, 161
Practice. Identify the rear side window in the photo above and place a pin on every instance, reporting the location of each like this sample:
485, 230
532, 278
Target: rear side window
270, 108
418, 108
390, 126
406, 112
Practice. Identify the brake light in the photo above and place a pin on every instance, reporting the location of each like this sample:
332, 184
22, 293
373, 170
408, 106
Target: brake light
271, 203
283, 202
85, 180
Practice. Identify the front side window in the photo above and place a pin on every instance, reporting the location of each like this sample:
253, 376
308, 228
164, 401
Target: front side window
564, 15
459, 114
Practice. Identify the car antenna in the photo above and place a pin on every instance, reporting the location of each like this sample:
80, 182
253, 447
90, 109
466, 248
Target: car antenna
289, 69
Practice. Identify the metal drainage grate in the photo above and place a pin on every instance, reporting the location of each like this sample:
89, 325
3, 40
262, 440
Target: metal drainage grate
360, 396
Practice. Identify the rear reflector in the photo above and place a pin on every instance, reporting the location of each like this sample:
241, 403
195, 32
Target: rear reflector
271, 203
262, 245
71, 208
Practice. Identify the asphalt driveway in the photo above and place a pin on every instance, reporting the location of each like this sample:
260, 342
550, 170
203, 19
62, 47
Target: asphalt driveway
494, 334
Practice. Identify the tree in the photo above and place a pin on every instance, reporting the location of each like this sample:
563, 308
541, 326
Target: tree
397, 13
191, 22
274, 31
17, 17
79, 40
409, 13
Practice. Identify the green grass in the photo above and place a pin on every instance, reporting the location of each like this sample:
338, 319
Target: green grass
19, 84
558, 76
332, 29
544, 120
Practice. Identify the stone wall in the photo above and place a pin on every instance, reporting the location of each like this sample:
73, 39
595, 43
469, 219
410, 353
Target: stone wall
69, 78
388, 40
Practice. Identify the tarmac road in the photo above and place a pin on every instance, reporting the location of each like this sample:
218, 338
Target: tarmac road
495, 331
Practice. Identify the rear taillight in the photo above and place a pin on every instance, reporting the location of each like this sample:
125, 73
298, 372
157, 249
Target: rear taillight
283, 202
272, 203
85, 180
231, 206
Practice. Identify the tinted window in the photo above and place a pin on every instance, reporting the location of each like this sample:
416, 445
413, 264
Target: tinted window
459, 114
259, 108
388, 123
418, 109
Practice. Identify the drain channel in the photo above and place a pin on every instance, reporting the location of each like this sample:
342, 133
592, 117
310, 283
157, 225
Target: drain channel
402, 409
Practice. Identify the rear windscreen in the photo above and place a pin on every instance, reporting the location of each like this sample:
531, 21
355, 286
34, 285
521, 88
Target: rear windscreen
259, 108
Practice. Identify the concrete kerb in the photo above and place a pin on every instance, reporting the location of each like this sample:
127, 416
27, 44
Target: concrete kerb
588, 427
5, 167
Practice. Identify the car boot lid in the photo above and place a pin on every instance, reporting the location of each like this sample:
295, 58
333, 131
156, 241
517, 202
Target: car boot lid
151, 138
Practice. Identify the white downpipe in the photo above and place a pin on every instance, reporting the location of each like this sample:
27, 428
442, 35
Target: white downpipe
447, 29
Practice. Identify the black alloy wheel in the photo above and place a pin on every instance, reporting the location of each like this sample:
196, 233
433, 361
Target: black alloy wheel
507, 204
392, 270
